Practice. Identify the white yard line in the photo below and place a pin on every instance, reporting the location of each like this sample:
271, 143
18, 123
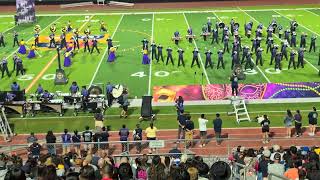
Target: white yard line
195, 44
150, 67
312, 12
8, 29
170, 12
39, 33
105, 52
305, 28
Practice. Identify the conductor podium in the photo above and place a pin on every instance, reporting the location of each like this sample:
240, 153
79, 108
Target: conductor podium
60, 78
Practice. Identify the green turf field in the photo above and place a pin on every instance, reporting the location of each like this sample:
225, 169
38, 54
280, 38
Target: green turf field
127, 31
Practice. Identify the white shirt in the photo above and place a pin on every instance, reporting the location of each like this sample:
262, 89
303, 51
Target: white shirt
202, 124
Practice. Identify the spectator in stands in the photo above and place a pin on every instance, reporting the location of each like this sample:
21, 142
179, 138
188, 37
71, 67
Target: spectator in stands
137, 136
66, 140
141, 170
76, 138
125, 171
3, 169
124, 133
175, 153
15, 174
181, 125
288, 123
250, 160
50, 138
125, 96
157, 169
265, 126
189, 131
217, 126
298, 123
151, 133
34, 150
193, 173
107, 172
263, 165
104, 140
87, 173
98, 117
292, 172
275, 167
87, 136
313, 120
203, 130
32, 138
276, 149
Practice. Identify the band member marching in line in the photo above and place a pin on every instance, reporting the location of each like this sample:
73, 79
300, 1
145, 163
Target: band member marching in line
195, 57
36, 35
15, 38
14, 59
69, 27
301, 57
153, 50
169, 56
269, 44
235, 47
291, 60
32, 53
63, 41
145, 44
280, 31
110, 45
22, 48
180, 57
249, 61
112, 54
176, 37
75, 39
293, 42
226, 44
235, 59
259, 57
145, 57
160, 55
278, 61
273, 53
67, 59
87, 31
19, 66
4, 67
209, 25
225, 33
248, 29
2, 44
287, 35
190, 34
220, 59
52, 43
303, 40
313, 43
245, 52
232, 26
215, 36
205, 32
208, 63
86, 43
284, 52
254, 44
103, 27
53, 28
234, 84
95, 45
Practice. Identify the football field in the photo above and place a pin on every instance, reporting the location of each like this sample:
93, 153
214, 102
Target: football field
128, 30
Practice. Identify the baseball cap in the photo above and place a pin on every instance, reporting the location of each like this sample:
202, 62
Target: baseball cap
266, 153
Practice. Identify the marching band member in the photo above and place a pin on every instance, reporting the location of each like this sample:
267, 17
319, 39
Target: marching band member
293, 42
75, 39
15, 86
232, 26
69, 28
94, 45
313, 43
269, 44
85, 97
74, 88
284, 50
15, 38
22, 48
208, 59
274, 50
4, 67
195, 58
70, 49
226, 44
36, 35
14, 58
303, 40
10, 97
190, 34
87, 31
145, 57
53, 28
67, 59
209, 25
169, 55
280, 28
103, 27
205, 32
301, 57
110, 45
249, 61
86, 43
235, 59
145, 44
176, 37
32, 53
180, 58
259, 56
2, 40
153, 50
215, 36
245, 52
277, 61
159, 55
63, 41
39, 90
46, 96
52, 43
220, 59
112, 54
287, 35
292, 57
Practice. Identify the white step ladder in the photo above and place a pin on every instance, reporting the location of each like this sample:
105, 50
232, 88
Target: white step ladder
4, 126
240, 109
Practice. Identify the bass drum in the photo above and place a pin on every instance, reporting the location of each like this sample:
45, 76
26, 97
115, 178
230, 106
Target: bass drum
95, 90
239, 72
